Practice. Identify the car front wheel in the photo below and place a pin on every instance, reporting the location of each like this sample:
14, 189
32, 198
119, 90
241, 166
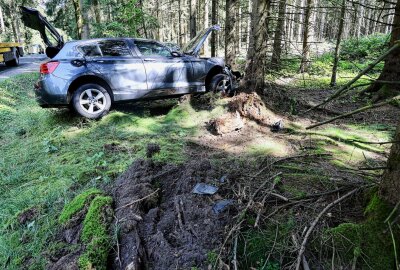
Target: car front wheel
221, 83
91, 101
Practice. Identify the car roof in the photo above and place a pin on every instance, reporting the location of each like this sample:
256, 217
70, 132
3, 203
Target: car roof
102, 39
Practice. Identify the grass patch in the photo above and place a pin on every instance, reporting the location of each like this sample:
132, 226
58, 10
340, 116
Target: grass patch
49, 155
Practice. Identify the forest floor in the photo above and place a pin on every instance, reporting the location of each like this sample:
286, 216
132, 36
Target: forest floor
149, 156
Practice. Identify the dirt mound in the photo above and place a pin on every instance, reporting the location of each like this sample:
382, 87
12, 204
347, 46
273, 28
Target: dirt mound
241, 107
163, 224
226, 123
252, 107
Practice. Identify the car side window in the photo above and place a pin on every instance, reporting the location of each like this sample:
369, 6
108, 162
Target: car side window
114, 48
91, 50
148, 48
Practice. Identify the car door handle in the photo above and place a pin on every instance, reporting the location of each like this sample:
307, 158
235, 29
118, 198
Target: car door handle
149, 60
98, 61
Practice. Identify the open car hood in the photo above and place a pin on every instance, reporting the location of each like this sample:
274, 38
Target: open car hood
33, 19
193, 46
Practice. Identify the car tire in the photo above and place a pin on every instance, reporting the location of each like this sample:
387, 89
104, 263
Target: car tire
15, 61
91, 101
221, 83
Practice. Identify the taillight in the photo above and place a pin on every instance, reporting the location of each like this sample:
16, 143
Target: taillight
49, 67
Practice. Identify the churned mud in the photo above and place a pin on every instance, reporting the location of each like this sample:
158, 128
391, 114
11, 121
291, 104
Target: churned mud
163, 225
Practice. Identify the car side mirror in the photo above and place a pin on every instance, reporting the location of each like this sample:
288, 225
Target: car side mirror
175, 54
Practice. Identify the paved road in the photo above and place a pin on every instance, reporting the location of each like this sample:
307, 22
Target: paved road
28, 63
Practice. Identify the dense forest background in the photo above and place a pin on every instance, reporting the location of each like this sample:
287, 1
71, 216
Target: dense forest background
290, 28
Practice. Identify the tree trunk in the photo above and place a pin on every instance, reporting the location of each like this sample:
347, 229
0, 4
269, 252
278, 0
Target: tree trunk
214, 21
79, 18
230, 10
391, 69
338, 40
250, 37
192, 18
179, 23
277, 47
390, 185
143, 19
255, 70
307, 33
85, 22
206, 25
2, 25
96, 9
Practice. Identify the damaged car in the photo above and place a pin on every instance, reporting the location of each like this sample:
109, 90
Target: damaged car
92, 75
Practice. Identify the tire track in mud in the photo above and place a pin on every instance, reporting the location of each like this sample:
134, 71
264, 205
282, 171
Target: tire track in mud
175, 229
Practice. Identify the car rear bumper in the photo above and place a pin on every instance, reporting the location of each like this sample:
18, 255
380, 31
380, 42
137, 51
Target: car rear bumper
51, 91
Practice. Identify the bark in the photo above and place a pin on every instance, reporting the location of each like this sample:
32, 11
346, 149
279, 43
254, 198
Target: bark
255, 70
277, 47
230, 10
391, 69
214, 21
307, 35
390, 185
338, 40
192, 18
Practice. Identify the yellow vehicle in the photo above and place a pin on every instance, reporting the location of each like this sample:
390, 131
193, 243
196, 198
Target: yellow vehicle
10, 52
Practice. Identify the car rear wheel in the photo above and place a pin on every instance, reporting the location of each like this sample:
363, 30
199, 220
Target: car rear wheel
91, 101
221, 83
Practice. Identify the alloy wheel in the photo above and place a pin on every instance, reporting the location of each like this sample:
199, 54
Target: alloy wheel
92, 101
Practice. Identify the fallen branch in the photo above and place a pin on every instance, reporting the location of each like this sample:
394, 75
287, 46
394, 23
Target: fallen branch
355, 111
288, 158
138, 200
372, 168
314, 223
389, 142
235, 253
364, 71
242, 214
303, 259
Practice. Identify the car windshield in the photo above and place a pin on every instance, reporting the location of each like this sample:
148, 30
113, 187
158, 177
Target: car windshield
191, 45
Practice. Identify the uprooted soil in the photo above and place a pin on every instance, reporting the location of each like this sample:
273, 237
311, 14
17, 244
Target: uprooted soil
172, 228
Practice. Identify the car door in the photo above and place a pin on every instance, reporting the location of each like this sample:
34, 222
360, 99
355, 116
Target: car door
123, 69
166, 74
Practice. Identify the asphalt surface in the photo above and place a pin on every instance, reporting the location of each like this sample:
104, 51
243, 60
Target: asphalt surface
27, 64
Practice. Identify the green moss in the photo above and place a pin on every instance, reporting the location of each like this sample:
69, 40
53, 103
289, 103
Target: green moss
369, 240
77, 204
254, 244
95, 234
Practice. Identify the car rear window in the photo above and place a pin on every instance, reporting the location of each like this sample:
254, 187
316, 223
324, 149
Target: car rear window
106, 48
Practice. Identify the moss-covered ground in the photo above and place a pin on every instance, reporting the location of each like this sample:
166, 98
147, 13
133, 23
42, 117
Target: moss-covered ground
57, 163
